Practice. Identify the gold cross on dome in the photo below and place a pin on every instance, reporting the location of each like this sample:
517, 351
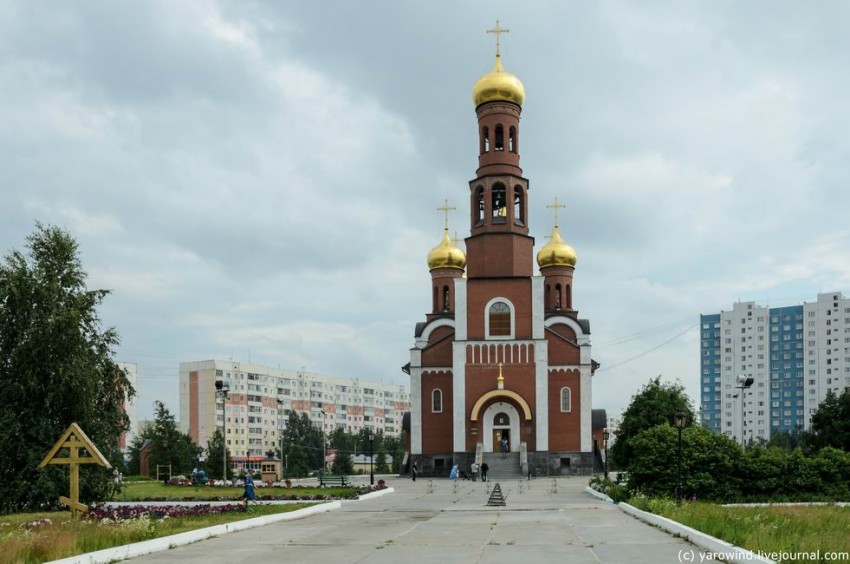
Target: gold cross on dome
555, 206
498, 31
456, 239
446, 209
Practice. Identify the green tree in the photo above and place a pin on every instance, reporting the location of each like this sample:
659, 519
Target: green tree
831, 423
303, 444
56, 368
169, 446
381, 461
342, 464
710, 463
655, 404
213, 464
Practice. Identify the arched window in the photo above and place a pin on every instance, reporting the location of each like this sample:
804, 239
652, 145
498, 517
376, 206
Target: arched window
566, 400
548, 295
437, 401
519, 218
500, 210
499, 319
479, 198
499, 144
557, 296
568, 297
485, 140
512, 139
435, 300
445, 298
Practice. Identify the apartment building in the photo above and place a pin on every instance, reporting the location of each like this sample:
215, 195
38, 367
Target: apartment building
261, 398
794, 356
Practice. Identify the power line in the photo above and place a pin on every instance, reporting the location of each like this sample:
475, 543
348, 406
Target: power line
655, 348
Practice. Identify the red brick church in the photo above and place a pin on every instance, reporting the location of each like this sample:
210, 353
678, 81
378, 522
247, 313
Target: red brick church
503, 356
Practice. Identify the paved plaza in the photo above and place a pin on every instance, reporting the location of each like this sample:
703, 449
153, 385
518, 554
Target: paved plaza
545, 520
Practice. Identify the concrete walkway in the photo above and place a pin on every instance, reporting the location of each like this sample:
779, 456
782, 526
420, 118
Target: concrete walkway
545, 521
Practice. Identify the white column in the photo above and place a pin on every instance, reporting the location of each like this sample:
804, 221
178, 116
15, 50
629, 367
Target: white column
415, 402
586, 407
460, 309
459, 396
541, 394
537, 316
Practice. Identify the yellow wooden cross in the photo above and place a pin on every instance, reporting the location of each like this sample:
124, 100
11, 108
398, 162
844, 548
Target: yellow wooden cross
74, 439
498, 31
446, 209
556, 205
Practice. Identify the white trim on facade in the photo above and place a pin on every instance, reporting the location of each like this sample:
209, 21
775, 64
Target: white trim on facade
415, 410
581, 338
460, 309
537, 307
541, 394
422, 340
459, 396
586, 408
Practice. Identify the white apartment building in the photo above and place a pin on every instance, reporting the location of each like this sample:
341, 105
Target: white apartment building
261, 398
795, 355
827, 359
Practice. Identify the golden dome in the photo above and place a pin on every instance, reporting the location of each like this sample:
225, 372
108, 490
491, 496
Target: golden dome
498, 85
556, 252
446, 255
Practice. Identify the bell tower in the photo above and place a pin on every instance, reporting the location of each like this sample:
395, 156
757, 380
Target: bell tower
499, 245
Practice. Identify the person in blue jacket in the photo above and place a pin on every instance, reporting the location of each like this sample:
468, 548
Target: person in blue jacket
250, 495
453, 474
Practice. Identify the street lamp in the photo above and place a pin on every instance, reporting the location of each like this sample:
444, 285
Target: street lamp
371, 457
679, 420
284, 465
744, 382
222, 388
324, 443
605, 436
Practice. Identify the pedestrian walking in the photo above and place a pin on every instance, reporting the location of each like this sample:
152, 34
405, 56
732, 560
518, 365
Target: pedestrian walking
484, 469
454, 473
504, 446
474, 469
413, 472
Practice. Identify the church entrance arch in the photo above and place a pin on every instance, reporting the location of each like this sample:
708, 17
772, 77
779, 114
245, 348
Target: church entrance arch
500, 419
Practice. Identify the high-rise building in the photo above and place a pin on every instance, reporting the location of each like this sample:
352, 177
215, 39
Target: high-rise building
502, 361
261, 398
765, 370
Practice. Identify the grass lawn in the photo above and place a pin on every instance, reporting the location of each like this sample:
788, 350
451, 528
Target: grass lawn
158, 491
768, 529
39, 537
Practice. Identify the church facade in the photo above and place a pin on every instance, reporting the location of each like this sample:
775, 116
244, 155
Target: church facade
502, 361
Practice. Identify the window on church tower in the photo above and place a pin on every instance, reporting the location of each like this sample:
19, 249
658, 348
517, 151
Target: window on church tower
445, 298
499, 144
519, 219
500, 319
512, 139
437, 401
485, 140
566, 400
479, 198
500, 211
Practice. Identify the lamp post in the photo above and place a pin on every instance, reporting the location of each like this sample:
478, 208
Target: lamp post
679, 420
371, 457
605, 436
222, 388
744, 382
280, 430
324, 443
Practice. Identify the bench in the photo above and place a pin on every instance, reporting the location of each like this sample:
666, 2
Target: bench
328, 480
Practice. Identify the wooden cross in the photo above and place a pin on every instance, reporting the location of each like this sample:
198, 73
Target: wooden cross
446, 209
498, 31
556, 205
75, 440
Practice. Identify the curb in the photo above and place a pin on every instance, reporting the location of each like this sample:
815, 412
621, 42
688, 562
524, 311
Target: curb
371, 495
717, 547
598, 495
164, 543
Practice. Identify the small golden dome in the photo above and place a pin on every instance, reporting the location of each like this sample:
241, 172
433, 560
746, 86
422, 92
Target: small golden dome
446, 255
498, 85
556, 252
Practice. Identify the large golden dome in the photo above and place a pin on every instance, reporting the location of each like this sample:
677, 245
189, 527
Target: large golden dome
556, 252
498, 84
446, 255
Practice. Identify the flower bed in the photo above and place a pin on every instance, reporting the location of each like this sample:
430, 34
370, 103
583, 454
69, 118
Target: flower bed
102, 512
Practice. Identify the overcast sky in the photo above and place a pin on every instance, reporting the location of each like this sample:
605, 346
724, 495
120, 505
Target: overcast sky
261, 178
